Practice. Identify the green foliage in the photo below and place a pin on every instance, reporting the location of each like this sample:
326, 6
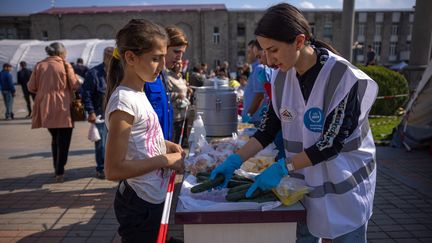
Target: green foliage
390, 83
382, 127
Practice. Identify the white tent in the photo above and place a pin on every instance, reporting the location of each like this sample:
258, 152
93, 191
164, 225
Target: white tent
416, 126
33, 51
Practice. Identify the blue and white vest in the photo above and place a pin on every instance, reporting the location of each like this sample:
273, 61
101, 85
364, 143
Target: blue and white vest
343, 187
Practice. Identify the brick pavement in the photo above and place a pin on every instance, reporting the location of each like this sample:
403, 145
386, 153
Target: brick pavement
35, 209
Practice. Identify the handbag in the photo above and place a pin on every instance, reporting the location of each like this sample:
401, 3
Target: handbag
76, 107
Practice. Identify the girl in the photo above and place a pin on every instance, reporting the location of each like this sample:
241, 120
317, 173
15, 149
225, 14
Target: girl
321, 103
137, 153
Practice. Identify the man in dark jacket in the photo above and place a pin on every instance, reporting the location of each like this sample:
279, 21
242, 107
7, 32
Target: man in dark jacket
23, 76
80, 68
7, 89
93, 94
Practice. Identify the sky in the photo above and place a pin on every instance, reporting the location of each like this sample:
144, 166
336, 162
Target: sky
32, 6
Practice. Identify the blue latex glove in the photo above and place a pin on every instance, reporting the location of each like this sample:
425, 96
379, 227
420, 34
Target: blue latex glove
246, 118
227, 168
269, 178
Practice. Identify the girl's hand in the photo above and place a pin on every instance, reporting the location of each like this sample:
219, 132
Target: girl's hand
176, 162
173, 147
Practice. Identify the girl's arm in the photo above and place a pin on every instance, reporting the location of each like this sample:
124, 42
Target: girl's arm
117, 167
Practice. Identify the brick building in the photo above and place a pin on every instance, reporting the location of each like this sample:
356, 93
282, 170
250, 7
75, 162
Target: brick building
216, 33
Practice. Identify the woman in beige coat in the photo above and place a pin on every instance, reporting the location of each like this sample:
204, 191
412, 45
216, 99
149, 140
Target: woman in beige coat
52, 103
179, 91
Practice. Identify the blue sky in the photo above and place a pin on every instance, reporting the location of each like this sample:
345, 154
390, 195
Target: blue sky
31, 6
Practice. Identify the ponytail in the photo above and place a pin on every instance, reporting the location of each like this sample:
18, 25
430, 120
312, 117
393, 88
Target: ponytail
138, 36
320, 43
114, 77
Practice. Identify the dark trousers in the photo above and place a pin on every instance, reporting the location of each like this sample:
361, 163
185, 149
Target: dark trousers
27, 95
60, 142
139, 220
100, 147
177, 132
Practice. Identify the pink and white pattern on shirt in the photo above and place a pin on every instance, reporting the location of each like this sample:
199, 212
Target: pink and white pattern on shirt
155, 143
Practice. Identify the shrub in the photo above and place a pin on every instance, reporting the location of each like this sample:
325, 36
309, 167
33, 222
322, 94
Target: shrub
389, 83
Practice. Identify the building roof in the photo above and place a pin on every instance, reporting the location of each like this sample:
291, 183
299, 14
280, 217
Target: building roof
138, 8
306, 10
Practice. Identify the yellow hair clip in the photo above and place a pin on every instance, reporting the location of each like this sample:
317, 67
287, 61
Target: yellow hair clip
116, 53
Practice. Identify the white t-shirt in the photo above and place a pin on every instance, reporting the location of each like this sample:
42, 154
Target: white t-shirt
146, 140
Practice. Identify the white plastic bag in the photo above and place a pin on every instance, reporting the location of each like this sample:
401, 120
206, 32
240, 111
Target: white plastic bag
93, 133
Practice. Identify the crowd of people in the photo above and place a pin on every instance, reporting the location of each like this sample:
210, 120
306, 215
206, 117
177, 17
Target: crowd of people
138, 98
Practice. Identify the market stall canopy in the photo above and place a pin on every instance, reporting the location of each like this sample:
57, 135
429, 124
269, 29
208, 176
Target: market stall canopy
415, 129
33, 51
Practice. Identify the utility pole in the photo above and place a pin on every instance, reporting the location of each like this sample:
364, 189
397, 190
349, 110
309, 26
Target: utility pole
421, 45
347, 29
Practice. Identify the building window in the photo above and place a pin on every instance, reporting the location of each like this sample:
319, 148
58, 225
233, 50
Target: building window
396, 17
216, 35
241, 29
362, 17
408, 45
44, 35
312, 28
394, 30
328, 30
377, 47
393, 48
411, 17
378, 28
216, 62
361, 29
379, 17
11, 33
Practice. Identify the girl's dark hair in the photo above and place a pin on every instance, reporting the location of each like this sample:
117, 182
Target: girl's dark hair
283, 22
138, 36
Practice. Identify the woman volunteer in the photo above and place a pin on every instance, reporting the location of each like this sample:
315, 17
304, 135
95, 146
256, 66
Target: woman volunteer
321, 102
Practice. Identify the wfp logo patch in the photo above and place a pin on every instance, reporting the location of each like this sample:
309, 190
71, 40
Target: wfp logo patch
287, 115
314, 119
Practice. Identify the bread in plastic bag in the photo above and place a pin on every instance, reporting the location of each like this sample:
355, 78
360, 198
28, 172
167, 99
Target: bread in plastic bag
290, 190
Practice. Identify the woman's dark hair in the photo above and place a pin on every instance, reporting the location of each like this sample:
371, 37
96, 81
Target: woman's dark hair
176, 36
283, 22
138, 36
55, 49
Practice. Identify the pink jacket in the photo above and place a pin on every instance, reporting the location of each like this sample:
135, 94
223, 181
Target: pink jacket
51, 107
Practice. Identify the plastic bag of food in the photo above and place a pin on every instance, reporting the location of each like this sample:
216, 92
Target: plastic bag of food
200, 163
219, 156
257, 164
290, 190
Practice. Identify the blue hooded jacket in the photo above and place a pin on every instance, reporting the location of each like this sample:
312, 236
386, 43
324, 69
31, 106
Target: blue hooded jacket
160, 100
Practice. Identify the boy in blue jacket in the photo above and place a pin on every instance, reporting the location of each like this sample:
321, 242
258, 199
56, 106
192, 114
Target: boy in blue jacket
8, 90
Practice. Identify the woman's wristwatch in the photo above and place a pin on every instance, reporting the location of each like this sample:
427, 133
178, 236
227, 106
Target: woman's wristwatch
289, 164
